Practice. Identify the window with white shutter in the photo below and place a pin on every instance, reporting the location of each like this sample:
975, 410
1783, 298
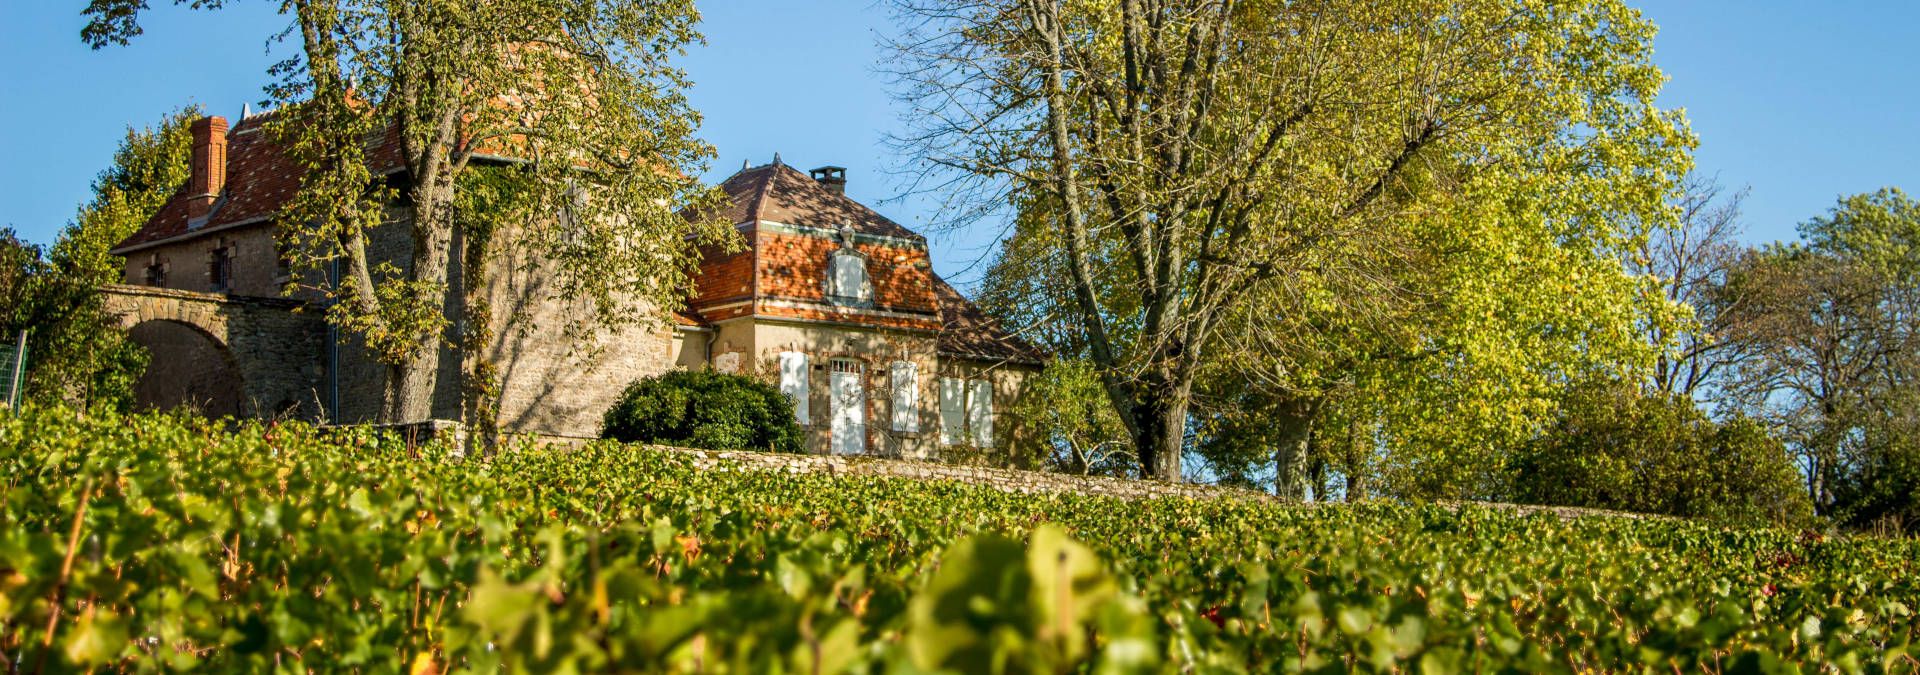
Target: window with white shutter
906, 396
980, 411
953, 418
793, 382
847, 277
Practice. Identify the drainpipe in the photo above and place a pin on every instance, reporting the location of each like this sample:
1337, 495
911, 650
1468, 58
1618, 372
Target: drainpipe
333, 354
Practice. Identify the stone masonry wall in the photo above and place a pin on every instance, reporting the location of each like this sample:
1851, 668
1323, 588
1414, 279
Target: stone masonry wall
1008, 480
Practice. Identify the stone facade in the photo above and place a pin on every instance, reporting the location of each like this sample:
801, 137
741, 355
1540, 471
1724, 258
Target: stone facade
253, 357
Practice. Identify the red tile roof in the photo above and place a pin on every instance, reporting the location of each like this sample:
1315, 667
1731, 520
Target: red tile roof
968, 332
780, 193
688, 317
261, 179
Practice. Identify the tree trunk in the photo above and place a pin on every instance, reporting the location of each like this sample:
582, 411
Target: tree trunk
1294, 420
480, 377
1159, 428
411, 382
1355, 469
409, 396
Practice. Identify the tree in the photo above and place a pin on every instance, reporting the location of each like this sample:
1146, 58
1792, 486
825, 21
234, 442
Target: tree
1836, 324
1177, 158
578, 97
1615, 448
1077, 430
1691, 263
77, 354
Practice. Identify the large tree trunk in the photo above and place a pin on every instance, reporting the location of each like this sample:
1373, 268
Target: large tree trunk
409, 396
411, 382
1159, 403
1159, 434
1291, 450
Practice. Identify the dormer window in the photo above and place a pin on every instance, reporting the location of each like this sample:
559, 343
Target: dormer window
847, 281
847, 277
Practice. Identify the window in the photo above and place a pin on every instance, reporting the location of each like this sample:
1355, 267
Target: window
793, 382
220, 266
282, 261
906, 396
847, 277
156, 272
953, 421
980, 411
966, 412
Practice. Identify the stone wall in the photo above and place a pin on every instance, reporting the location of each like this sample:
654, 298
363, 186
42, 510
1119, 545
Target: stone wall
273, 345
188, 262
1008, 480
1039, 482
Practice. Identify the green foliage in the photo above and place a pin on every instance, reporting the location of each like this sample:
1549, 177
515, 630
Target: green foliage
76, 353
1615, 449
704, 409
163, 543
1834, 329
1075, 427
1409, 215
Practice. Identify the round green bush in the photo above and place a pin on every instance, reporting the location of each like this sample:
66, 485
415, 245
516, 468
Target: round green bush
703, 409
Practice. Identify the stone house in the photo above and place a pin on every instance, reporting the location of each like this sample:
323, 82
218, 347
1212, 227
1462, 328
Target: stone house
830, 299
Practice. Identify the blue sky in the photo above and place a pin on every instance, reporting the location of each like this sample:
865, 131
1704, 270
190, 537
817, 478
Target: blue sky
1800, 101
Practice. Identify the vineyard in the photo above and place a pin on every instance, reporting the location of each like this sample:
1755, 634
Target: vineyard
163, 543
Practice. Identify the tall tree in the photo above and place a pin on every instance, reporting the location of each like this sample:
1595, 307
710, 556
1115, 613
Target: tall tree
1186, 157
77, 354
579, 97
1836, 322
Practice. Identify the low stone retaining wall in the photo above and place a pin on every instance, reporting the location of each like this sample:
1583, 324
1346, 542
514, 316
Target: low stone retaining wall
1009, 480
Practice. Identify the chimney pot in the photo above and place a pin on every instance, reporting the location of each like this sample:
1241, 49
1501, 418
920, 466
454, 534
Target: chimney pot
833, 178
209, 172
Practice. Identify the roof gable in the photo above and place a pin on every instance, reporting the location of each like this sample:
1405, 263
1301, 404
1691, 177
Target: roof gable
781, 194
968, 332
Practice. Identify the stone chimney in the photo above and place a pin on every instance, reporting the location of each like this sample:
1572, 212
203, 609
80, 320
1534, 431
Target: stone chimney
209, 167
833, 178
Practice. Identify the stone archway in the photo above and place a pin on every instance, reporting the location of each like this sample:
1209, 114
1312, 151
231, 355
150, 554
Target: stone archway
188, 368
221, 354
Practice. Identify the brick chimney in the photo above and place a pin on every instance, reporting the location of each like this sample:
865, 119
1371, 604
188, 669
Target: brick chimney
209, 166
833, 178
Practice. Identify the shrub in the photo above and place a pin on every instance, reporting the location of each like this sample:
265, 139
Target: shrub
703, 409
1615, 449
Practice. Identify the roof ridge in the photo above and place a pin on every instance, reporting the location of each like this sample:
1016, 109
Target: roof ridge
760, 198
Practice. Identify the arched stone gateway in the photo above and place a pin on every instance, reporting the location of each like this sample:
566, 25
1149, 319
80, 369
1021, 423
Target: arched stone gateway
188, 369
224, 355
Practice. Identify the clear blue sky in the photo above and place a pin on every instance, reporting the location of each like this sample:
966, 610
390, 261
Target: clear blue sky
1801, 101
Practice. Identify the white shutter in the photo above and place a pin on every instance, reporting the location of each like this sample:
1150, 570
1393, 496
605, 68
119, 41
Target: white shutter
980, 412
906, 396
847, 278
793, 382
952, 416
